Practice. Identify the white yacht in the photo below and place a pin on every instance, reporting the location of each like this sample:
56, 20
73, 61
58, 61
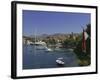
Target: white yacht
40, 45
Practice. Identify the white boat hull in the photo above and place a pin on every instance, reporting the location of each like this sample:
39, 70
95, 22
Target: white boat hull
60, 62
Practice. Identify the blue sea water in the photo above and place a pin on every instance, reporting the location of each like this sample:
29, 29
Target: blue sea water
36, 59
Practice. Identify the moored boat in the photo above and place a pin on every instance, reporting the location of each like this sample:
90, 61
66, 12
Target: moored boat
60, 61
40, 45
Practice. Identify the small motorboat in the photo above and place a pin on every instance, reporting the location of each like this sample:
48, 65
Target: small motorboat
60, 61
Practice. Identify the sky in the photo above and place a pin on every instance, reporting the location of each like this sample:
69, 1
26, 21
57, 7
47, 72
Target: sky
47, 22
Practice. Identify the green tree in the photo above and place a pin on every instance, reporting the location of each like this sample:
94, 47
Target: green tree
84, 59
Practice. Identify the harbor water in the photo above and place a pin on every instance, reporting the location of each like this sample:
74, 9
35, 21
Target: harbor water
36, 59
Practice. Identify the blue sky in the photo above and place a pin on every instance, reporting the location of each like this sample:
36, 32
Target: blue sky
47, 22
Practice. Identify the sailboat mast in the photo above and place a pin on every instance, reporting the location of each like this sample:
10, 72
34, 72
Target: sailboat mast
35, 31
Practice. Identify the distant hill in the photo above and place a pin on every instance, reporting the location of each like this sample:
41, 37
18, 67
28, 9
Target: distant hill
56, 36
